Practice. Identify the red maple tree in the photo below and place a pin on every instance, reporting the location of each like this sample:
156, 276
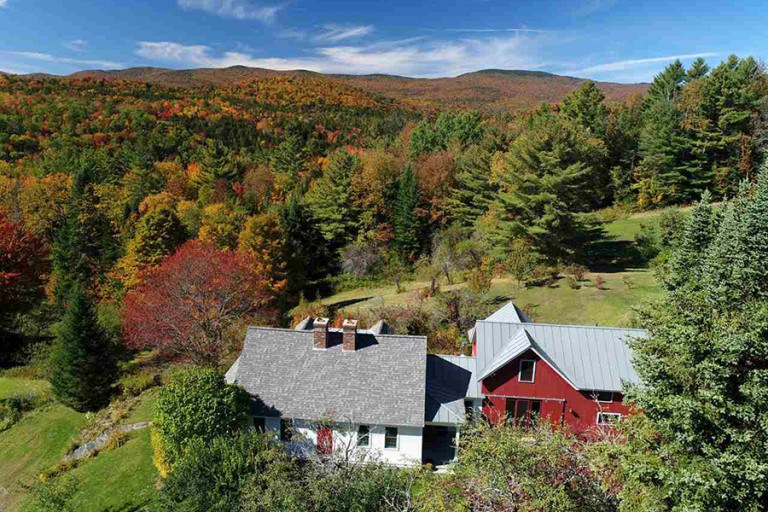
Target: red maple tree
189, 306
23, 265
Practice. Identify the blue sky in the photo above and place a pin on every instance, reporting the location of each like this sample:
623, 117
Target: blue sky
614, 40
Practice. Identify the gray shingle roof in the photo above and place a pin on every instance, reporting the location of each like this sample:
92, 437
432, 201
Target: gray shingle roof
450, 379
591, 358
382, 382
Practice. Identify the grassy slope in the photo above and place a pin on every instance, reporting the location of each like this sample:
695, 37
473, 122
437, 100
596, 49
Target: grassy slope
36, 443
119, 479
10, 386
611, 305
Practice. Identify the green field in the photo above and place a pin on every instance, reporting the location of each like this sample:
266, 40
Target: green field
625, 284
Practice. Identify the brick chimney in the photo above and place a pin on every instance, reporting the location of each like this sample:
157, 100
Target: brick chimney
349, 335
320, 327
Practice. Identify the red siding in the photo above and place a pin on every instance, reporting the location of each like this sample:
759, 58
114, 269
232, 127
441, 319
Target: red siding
560, 402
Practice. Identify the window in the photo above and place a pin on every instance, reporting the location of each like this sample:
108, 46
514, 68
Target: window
390, 438
608, 418
469, 410
286, 430
527, 370
603, 396
524, 412
363, 435
260, 424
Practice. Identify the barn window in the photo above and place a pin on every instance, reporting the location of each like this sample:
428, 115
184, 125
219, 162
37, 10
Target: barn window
608, 418
363, 435
390, 438
527, 370
603, 396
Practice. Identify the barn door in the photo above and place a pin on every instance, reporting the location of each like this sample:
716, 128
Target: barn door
525, 411
324, 441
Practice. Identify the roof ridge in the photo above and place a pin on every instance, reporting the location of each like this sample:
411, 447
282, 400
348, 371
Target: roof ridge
526, 324
309, 331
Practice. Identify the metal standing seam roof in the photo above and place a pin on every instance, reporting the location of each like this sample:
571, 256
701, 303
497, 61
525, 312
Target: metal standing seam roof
508, 313
450, 379
382, 382
591, 358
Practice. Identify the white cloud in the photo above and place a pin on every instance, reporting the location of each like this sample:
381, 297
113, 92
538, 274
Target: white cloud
238, 9
491, 30
46, 57
76, 44
3, 3
412, 57
623, 65
333, 33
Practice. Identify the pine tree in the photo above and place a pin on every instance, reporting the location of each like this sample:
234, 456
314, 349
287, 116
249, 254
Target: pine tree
287, 159
472, 193
407, 229
586, 106
330, 199
698, 69
84, 365
667, 84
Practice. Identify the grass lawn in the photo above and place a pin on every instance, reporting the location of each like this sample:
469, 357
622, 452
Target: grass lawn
145, 408
10, 386
613, 260
120, 479
33, 445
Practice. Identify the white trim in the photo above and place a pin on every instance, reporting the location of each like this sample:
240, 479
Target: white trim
616, 415
397, 439
520, 371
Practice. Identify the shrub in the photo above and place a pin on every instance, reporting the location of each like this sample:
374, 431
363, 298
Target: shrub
212, 475
573, 283
197, 403
647, 243
503, 467
135, 384
628, 282
480, 279
54, 495
577, 271
599, 283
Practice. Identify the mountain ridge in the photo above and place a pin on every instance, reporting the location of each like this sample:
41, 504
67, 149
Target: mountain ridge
489, 90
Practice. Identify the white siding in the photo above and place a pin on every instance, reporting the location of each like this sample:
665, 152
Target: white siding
407, 453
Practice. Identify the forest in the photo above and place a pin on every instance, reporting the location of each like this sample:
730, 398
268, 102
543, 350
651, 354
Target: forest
142, 222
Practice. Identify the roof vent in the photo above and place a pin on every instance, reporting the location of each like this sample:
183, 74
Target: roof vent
349, 335
320, 327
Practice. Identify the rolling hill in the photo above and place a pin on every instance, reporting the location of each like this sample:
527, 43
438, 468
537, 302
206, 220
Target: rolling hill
490, 90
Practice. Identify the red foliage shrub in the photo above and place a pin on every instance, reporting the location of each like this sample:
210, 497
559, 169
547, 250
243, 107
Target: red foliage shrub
23, 264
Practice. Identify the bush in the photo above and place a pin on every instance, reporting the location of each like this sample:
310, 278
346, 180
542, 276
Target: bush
213, 474
579, 272
647, 243
13, 408
503, 467
197, 403
573, 283
135, 384
54, 495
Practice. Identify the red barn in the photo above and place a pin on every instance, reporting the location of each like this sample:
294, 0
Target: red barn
567, 374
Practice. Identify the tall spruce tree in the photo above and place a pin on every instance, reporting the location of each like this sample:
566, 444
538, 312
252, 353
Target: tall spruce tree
406, 224
84, 364
699, 440
698, 69
586, 106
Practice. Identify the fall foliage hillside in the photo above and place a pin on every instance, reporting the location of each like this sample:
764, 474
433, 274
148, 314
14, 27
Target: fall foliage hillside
490, 90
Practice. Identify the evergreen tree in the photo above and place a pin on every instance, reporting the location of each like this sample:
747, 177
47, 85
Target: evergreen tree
472, 193
667, 84
406, 224
698, 69
216, 163
84, 365
699, 441
586, 106
684, 267
158, 233
330, 199
307, 253
287, 159
552, 171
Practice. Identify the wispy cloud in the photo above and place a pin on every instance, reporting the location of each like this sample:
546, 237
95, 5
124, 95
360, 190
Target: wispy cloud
238, 9
3, 3
492, 30
623, 65
77, 45
413, 57
333, 33
47, 57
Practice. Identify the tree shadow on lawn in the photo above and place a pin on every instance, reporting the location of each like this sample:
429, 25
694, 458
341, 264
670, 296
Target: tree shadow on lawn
604, 253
